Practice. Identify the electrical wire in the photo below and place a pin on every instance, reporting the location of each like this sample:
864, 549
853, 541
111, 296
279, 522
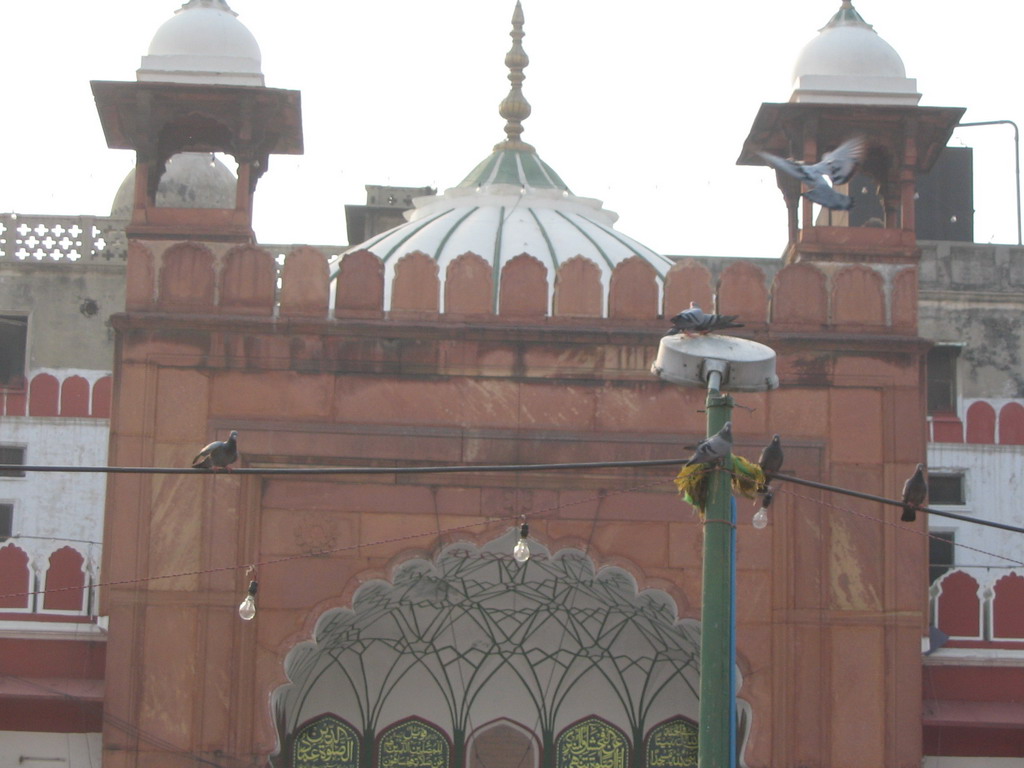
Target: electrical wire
444, 470
894, 503
434, 470
485, 521
902, 527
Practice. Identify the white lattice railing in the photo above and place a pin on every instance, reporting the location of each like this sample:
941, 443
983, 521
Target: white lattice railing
61, 238
29, 237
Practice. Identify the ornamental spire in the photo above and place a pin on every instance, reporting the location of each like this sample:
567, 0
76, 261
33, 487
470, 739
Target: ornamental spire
514, 107
846, 14
218, 5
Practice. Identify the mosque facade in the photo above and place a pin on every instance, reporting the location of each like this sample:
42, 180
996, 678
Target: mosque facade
505, 322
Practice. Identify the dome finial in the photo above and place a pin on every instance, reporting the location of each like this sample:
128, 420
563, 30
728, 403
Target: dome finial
514, 107
220, 5
846, 14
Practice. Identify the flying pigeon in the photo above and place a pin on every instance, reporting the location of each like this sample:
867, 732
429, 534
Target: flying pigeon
915, 491
713, 448
839, 165
694, 320
771, 460
218, 454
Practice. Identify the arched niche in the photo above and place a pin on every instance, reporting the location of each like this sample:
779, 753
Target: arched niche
672, 744
592, 742
325, 741
471, 636
503, 744
413, 743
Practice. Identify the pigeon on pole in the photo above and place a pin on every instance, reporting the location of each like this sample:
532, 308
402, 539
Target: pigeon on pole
915, 491
713, 448
695, 321
839, 165
218, 454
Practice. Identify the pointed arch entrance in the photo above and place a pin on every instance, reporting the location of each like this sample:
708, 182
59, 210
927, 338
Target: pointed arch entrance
555, 651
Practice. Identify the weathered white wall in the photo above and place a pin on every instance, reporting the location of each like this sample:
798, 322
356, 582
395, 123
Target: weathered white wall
52, 510
27, 748
993, 484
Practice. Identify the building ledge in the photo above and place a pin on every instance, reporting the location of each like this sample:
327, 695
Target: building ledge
973, 714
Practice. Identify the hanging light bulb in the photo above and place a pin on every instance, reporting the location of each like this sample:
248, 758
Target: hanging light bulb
521, 551
760, 519
247, 608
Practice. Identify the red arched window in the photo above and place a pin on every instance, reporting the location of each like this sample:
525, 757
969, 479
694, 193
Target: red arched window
958, 612
1011, 424
14, 577
43, 394
1008, 608
101, 397
65, 581
981, 423
74, 397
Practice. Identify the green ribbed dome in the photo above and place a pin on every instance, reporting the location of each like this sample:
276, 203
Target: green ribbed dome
520, 167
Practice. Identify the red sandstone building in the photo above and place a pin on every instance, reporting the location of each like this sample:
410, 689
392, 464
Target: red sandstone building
507, 322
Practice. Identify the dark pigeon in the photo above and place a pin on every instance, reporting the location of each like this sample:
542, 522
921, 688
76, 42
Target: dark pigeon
839, 165
771, 460
915, 491
218, 454
713, 448
694, 320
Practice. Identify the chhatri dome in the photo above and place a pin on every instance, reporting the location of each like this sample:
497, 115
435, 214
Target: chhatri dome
204, 42
511, 203
848, 63
191, 180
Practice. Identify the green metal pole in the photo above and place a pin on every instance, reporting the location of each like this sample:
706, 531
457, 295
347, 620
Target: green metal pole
714, 746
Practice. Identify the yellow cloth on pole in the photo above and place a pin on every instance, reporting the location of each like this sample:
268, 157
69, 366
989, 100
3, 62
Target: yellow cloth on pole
692, 480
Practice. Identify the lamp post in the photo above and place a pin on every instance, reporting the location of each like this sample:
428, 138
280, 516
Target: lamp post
715, 361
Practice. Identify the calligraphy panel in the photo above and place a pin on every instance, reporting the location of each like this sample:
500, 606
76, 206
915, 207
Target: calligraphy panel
672, 745
326, 743
413, 744
592, 743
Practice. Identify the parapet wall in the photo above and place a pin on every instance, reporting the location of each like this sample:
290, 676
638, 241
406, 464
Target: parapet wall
211, 278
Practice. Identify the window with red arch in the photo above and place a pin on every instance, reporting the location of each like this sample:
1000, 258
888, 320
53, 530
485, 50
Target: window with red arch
65, 581
1008, 608
981, 423
15, 578
1011, 424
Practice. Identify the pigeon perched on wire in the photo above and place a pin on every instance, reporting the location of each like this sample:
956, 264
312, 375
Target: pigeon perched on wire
770, 461
713, 448
839, 165
218, 454
915, 491
694, 320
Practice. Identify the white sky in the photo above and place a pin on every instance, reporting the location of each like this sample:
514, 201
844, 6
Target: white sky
642, 104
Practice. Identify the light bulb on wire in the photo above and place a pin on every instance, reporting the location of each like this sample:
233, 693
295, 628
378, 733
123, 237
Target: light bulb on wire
247, 608
521, 551
760, 519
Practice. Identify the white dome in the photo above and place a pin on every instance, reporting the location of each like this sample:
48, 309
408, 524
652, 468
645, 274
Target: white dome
191, 180
849, 50
511, 203
848, 63
204, 42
